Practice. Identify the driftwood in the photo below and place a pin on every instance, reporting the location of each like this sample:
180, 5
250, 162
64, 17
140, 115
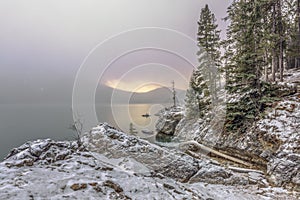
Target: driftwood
195, 155
236, 169
206, 149
244, 170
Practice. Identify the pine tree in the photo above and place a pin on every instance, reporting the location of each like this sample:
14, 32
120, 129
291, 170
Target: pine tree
276, 37
202, 91
272, 48
191, 104
280, 36
132, 129
209, 35
246, 63
263, 38
174, 94
293, 49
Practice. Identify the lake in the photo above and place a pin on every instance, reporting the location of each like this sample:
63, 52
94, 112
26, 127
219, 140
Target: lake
24, 122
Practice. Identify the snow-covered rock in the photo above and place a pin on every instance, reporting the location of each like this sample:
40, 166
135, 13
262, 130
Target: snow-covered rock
282, 123
168, 120
81, 175
41, 151
271, 144
113, 165
155, 160
114, 144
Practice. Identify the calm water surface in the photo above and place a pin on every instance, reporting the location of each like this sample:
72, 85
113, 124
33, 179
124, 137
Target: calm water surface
21, 122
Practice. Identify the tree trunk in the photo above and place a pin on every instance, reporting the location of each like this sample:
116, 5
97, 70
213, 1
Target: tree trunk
281, 60
266, 62
266, 66
280, 26
298, 36
274, 48
298, 15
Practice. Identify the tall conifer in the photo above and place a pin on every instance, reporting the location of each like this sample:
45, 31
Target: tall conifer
202, 91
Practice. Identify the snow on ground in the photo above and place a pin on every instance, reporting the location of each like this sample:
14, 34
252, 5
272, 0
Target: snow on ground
281, 124
80, 175
113, 165
46, 169
283, 121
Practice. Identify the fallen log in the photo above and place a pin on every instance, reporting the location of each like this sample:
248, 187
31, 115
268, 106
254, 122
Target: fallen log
201, 147
195, 155
245, 170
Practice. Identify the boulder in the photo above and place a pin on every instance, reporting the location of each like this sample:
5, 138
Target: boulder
107, 140
113, 165
44, 151
168, 120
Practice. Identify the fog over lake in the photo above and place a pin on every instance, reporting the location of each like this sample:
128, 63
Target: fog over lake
20, 123
43, 44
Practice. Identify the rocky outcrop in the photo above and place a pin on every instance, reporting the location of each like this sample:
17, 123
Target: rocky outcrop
106, 140
79, 175
282, 123
168, 120
271, 144
113, 165
41, 151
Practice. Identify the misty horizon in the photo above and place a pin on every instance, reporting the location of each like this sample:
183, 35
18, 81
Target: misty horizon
44, 43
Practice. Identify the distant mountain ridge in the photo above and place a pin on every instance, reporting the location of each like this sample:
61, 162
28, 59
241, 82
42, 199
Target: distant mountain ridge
105, 94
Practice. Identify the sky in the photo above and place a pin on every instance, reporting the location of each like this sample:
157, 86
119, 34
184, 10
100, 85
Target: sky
44, 43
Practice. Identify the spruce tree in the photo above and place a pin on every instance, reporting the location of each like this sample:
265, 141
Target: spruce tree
245, 66
202, 91
293, 44
209, 35
261, 35
279, 36
191, 104
132, 129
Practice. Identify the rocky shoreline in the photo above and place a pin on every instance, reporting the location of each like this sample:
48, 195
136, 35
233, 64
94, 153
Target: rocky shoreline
271, 144
113, 165
199, 162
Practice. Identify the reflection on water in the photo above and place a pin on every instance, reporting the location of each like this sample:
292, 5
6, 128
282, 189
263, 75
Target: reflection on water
20, 123
163, 138
122, 115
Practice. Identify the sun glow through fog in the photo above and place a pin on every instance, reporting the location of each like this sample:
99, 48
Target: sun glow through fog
132, 86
